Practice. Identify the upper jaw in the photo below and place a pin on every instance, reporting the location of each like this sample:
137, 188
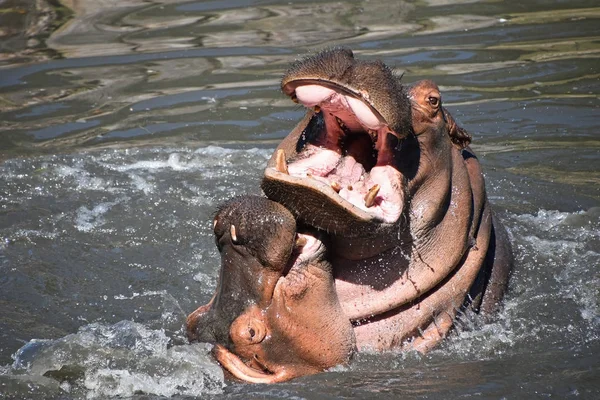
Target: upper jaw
347, 157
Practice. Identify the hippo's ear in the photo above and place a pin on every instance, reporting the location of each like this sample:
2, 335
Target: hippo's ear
458, 135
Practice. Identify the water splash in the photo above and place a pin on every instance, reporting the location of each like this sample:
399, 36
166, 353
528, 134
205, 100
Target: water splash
117, 360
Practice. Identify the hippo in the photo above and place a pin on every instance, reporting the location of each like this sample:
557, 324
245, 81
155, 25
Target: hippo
377, 201
275, 315
388, 174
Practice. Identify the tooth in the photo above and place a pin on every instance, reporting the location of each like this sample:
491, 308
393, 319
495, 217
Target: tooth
340, 123
317, 109
350, 187
370, 197
280, 163
215, 223
233, 234
336, 186
309, 175
294, 98
301, 241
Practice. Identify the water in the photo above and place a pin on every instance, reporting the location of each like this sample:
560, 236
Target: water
122, 131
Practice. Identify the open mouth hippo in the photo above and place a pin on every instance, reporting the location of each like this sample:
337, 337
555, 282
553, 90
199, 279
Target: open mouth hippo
403, 235
276, 314
385, 170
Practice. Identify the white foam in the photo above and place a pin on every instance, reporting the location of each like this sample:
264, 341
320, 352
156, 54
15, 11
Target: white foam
119, 360
82, 178
87, 220
142, 184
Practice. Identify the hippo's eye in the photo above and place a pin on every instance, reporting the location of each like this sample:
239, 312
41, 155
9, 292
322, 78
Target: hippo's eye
434, 101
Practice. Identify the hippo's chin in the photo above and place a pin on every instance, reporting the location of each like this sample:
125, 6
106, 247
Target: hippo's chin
343, 176
240, 370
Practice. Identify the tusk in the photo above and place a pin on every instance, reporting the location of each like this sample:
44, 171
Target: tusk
281, 163
301, 241
336, 186
371, 195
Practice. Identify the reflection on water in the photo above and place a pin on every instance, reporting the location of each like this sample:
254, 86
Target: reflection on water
121, 131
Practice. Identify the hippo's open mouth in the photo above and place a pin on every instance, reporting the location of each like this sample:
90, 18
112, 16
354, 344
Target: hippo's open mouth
346, 153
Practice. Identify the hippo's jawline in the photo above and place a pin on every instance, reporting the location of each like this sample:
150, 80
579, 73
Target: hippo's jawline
241, 370
347, 152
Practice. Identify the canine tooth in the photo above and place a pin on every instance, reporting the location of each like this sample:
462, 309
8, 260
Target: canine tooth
294, 98
317, 109
280, 163
336, 186
233, 234
370, 196
301, 241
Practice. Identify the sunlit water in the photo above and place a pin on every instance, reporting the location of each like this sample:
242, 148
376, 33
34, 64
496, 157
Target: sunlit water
115, 157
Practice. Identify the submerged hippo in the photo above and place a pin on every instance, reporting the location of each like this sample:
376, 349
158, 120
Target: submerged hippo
386, 176
276, 314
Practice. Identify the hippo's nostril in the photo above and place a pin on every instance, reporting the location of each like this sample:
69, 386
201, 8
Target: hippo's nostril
247, 329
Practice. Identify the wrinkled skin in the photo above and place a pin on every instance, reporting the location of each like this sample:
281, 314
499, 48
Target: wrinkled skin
275, 315
386, 171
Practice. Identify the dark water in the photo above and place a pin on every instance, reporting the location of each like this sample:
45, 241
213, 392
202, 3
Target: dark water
122, 131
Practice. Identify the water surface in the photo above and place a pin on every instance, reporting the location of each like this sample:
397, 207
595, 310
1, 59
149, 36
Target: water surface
122, 131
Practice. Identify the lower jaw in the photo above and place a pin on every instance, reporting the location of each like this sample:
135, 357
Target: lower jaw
316, 204
234, 365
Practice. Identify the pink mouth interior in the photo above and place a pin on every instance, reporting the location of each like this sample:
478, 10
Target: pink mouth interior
352, 155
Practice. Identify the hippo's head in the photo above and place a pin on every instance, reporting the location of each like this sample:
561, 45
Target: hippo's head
275, 315
352, 164
345, 151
